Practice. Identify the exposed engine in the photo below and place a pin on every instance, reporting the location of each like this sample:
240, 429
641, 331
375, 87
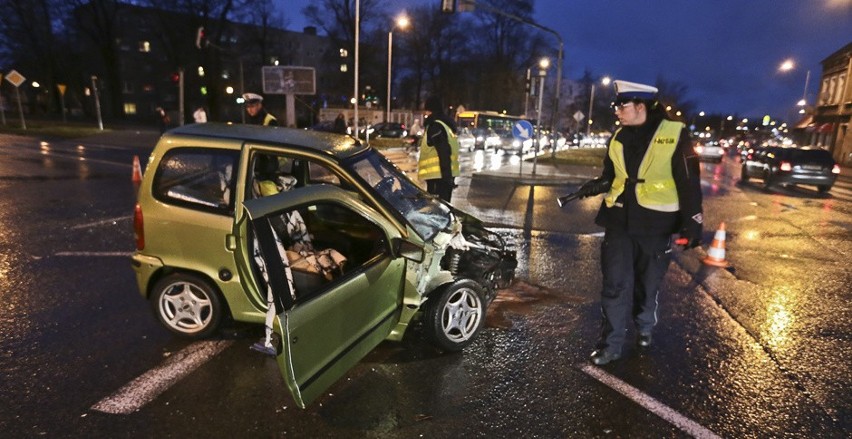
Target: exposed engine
483, 256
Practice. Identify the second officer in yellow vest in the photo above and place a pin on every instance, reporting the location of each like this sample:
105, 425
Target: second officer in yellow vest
439, 151
652, 190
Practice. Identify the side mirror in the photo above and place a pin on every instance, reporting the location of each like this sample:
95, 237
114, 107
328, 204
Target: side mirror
408, 250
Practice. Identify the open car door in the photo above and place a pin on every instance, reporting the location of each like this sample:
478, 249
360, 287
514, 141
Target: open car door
325, 323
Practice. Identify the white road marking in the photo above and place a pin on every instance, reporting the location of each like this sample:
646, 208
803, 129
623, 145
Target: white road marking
151, 384
98, 223
107, 254
687, 425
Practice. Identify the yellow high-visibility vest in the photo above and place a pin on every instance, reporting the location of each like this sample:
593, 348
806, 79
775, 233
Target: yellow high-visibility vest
268, 119
658, 191
429, 165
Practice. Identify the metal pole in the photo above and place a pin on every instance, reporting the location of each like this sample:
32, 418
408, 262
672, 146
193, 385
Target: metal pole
180, 98
21, 107
97, 102
242, 90
542, 74
527, 95
805, 93
390, 51
591, 105
357, 36
2, 109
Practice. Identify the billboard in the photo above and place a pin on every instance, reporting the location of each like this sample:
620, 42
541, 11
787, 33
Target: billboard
280, 80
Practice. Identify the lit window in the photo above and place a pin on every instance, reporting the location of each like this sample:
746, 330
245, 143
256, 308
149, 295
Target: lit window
129, 108
145, 46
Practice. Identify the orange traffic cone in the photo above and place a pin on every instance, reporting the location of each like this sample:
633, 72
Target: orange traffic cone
716, 252
137, 170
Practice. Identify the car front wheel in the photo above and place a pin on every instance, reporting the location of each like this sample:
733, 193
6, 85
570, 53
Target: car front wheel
187, 305
455, 315
823, 188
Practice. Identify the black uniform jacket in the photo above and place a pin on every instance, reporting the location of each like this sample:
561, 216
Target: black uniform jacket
627, 214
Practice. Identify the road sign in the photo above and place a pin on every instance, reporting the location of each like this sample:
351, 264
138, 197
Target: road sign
281, 80
15, 78
578, 116
522, 130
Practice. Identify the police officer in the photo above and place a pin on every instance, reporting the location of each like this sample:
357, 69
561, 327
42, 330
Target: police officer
652, 190
439, 151
257, 115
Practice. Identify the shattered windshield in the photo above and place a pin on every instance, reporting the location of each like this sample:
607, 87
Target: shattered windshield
426, 214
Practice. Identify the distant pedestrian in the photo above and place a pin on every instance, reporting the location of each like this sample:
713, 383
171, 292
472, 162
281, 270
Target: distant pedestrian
652, 189
340, 124
163, 118
439, 151
200, 115
257, 115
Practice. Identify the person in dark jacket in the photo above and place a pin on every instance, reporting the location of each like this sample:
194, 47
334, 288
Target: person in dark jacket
439, 151
651, 181
257, 115
340, 124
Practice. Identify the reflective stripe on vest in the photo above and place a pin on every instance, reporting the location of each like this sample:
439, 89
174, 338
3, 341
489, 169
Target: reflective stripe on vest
429, 165
268, 118
658, 191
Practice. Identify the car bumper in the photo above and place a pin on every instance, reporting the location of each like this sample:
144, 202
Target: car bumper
818, 180
145, 267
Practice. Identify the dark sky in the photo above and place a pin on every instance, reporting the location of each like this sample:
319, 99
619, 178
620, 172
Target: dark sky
727, 52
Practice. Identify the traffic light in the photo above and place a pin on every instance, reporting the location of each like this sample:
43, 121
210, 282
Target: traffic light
200, 38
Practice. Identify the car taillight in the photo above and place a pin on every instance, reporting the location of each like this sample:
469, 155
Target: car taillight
786, 166
835, 169
138, 228
699, 148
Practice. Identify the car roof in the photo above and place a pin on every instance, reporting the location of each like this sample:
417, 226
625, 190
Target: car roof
338, 145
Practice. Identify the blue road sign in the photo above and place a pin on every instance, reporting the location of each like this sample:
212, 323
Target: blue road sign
522, 130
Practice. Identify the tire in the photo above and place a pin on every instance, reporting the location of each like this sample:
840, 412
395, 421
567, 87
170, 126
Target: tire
823, 188
455, 315
744, 174
187, 305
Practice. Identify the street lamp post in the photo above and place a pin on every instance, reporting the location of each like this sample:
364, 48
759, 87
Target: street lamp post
402, 23
604, 81
542, 72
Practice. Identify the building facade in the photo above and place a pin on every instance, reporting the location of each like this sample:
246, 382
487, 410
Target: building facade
833, 111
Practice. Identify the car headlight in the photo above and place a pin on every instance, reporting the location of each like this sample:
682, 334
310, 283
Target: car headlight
479, 138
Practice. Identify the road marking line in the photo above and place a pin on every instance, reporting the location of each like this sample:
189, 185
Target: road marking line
108, 254
97, 223
649, 403
151, 384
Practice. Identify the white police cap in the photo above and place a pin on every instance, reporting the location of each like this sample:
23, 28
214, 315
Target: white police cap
631, 90
252, 98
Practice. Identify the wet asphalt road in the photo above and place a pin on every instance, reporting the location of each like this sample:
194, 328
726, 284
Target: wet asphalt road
758, 351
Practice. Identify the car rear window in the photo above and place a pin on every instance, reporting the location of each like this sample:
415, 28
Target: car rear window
198, 178
809, 155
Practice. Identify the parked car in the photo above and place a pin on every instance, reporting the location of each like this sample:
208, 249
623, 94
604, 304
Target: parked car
348, 250
384, 129
709, 152
779, 165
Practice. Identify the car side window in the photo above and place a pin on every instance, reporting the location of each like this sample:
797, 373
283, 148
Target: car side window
198, 178
322, 244
274, 173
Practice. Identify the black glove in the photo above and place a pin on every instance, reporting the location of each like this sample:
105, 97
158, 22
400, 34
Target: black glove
594, 187
690, 234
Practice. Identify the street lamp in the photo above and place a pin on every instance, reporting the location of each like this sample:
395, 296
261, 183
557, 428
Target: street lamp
604, 81
543, 65
402, 22
788, 65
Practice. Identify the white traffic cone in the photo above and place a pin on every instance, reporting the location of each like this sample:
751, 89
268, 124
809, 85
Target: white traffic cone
716, 252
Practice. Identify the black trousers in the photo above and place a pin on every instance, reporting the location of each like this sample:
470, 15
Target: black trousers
442, 187
633, 268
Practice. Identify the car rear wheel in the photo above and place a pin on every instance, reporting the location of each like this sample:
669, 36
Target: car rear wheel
187, 305
823, 188
455, 315
744, 173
